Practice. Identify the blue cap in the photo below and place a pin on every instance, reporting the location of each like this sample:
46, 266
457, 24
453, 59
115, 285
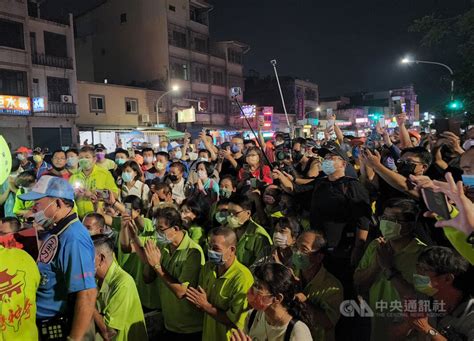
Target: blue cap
49, 186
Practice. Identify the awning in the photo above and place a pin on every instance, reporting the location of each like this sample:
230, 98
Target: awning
165, 131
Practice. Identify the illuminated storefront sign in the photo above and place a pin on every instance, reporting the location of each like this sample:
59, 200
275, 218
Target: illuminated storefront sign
14, 105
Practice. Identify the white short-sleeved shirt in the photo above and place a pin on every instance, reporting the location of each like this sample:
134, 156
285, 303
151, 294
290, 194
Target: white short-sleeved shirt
262, 331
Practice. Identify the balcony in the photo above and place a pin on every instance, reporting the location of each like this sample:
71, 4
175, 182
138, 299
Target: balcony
61, 108
54, 61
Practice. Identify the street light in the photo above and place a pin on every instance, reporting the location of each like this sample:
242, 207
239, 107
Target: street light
174, 88
408, 60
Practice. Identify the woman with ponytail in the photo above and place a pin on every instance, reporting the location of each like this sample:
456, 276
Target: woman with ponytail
276, 314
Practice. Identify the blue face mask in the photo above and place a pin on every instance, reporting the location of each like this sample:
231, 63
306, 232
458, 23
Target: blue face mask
178, 154
468, 180
215, 257
120, 162
235, 149
328, 167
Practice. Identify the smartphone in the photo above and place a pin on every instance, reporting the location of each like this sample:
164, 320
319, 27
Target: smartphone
102, 194
128, 209
436, 202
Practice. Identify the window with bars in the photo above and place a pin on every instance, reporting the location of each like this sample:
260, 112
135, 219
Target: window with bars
218, 105
218, 78
57, 87
11, 34
200, 74
234, 56
180, 70
13, 83
200, 45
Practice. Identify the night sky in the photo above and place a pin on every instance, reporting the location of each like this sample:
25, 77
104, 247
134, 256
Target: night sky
342, 45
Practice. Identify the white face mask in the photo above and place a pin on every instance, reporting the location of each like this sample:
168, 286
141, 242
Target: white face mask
42, 220
468, 144
280, 240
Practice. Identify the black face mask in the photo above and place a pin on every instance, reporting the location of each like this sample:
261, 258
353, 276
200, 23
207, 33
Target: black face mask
297, 156
405, 168
173, 177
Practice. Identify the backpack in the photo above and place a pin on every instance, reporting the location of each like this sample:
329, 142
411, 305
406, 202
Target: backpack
289, 328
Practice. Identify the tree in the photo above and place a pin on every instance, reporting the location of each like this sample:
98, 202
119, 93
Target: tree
453, 33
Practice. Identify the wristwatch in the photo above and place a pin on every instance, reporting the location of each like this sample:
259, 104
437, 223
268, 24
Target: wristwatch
432, 332
470, 238
157, 266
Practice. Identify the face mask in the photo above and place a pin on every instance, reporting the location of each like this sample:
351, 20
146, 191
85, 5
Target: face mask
203, 159
279, 143
120, 162
127, 177
225, 193
297, 156
300, 261
193, 156
178, 154
164, 149
257, 301
202, 174
159, 166
148, 160
390, 229
72, 162
468, 180
268, 199
173, 177
405, 168
328, 167
100, 156
221, 217
215, 257
468, 144
21, 157
37, 158
423, 284
162, 239
233, 222
235, 148
58, 169
85, 164
42, 220
280, 240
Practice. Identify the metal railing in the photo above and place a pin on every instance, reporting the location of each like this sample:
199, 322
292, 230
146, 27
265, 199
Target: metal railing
54, 61
62, 108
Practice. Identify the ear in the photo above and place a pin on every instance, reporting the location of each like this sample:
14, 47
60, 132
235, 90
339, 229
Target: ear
279, 298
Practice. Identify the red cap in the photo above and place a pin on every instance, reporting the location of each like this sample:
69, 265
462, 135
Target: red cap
23, 149
415, 134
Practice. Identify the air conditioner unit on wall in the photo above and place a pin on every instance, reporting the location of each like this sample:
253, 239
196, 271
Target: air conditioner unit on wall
66, 98
145, 118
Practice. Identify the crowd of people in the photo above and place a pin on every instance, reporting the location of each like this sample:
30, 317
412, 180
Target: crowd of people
343, 238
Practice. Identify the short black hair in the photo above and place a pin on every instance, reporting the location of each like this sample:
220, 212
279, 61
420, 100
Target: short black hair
292, 223
421, 152
14, 223
58, 151
205, 151
72, 150
300, 140
15, 164
147, 149
171, 215
164, 154
136, 202
200, 209
25, 179
409, 207
87, 149
242, 201
228, 234
208, 166
102, 240
122, 151
99, 218
179, 165
229, 177
136, 168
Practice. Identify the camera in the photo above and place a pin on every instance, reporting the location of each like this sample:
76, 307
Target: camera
283, 151
235, 92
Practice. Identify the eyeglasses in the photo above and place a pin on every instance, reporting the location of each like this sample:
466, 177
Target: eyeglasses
235, 213
401, 161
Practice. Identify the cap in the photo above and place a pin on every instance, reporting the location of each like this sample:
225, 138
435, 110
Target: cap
99, 146
331, 149
173, 145
415, 134
49, 186
23, 149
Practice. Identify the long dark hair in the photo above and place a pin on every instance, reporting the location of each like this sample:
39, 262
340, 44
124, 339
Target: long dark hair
279, 280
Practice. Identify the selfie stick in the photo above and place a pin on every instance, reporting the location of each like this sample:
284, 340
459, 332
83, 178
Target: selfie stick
256, 136
274, 63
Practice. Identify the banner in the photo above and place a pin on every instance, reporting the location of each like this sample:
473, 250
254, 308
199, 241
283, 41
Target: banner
187, 115
15, 105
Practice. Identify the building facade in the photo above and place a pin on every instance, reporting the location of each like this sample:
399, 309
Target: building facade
38, 85
158, 44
